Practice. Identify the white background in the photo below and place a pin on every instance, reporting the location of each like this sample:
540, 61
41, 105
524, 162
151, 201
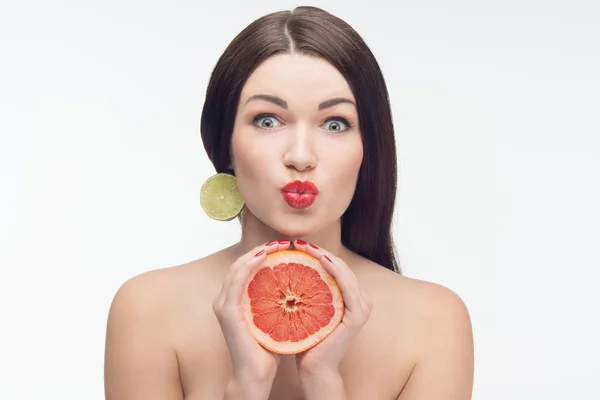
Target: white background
496, 105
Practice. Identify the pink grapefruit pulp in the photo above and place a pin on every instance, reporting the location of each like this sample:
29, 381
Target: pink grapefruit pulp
291, 303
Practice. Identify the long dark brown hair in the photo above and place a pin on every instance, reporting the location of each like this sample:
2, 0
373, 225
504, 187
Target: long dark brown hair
366, 224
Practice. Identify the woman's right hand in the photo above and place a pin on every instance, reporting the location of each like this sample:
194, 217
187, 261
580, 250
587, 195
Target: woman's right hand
253, 365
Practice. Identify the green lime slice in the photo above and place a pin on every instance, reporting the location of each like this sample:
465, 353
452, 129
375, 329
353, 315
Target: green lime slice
220, 198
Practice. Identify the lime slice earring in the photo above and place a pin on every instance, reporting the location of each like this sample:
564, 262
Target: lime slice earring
220, 197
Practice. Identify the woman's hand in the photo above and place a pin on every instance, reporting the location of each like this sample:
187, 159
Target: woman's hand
321, 363
254, 367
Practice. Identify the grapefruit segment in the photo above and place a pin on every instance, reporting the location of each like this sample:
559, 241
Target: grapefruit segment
268, 320
264, 286
291, 303
260, 306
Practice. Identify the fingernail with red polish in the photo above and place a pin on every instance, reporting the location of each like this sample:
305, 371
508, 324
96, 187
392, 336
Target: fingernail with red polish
259, 253
284, 242
314, 246
328, 259
300, 242
272, 242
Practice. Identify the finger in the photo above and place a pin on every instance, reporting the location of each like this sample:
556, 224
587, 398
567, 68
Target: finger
306, 247
312, 249
231, 315
318, 252
269, 247
346, 281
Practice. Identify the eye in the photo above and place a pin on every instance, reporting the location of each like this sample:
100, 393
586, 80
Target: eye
265, 121
337, 124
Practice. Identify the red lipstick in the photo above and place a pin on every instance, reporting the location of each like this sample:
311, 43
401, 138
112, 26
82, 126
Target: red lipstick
300, 195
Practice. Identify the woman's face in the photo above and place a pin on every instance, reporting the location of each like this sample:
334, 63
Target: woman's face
303, 126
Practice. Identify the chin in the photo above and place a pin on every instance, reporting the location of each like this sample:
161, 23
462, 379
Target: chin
295, 226
293, 233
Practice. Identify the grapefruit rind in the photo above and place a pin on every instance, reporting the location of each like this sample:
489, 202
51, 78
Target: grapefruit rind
289, 347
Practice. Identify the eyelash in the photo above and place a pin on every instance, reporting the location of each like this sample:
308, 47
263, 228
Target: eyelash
335, 118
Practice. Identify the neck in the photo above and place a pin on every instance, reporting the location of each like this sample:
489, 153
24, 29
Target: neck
256, 233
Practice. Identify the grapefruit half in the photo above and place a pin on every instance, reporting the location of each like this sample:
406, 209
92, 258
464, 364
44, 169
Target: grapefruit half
291, 303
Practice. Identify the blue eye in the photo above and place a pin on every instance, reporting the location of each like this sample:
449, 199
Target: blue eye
336, 122
268, 121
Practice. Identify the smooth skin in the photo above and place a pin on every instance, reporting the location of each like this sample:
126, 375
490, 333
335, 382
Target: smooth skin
178, 332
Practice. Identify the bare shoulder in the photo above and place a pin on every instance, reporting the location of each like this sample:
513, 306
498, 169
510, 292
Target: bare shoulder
144, 320
431, 303
439, 315
428, 302
162, 289
436, 322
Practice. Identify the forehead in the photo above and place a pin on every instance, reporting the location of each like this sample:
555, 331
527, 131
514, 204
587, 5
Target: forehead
297, 77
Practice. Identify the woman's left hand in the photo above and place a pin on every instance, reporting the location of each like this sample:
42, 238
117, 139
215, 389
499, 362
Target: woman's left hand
323, 360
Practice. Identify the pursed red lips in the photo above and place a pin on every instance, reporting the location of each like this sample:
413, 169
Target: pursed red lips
300, 194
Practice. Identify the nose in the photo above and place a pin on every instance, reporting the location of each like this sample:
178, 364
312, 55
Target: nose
300, 153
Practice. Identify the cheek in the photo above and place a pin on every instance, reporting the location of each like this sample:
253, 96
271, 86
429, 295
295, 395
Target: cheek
350, 159
251, 162
348, 177
242, 148
358, 157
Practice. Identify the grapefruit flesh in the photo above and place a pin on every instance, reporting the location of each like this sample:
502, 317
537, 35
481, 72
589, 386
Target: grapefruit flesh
291, 303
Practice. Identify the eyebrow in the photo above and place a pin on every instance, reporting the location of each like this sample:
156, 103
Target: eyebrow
283, 104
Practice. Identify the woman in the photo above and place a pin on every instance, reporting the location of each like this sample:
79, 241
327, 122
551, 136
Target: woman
297, 96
